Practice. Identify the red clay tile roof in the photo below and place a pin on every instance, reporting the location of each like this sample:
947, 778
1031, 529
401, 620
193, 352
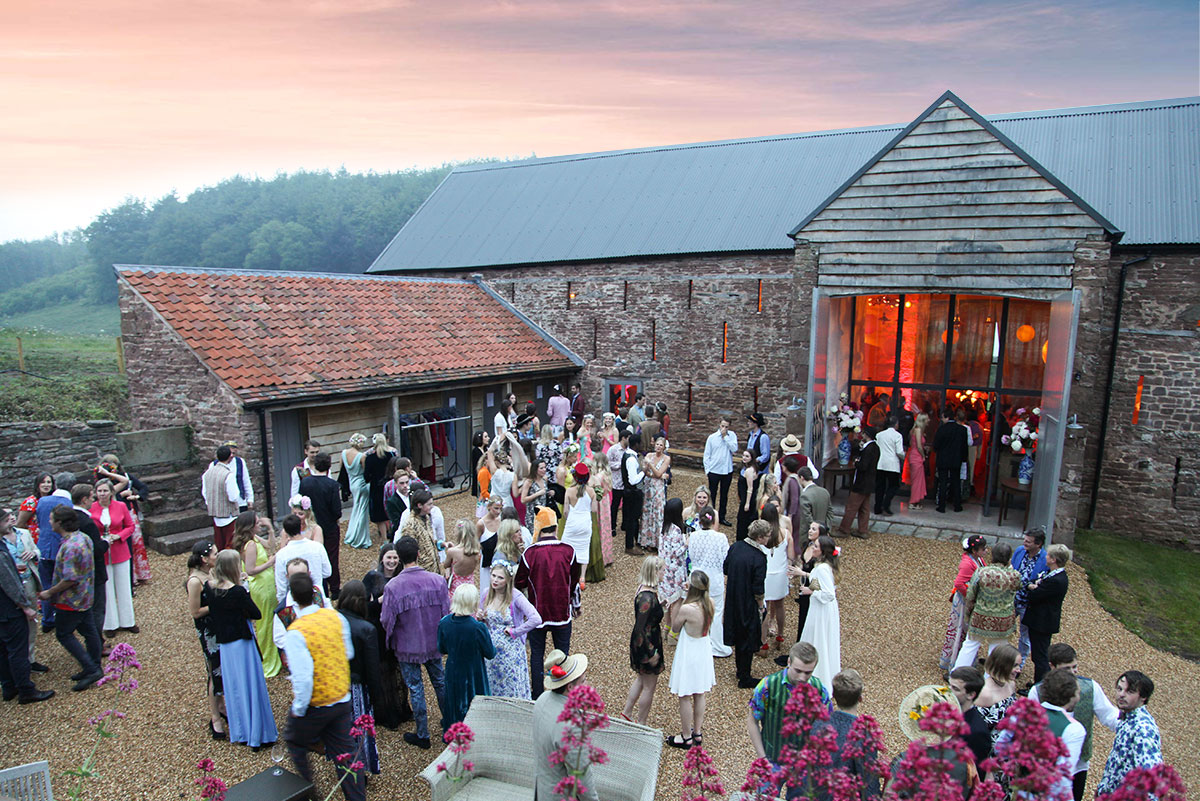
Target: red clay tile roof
278, 336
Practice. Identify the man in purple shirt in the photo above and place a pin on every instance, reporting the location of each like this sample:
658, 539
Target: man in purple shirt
72, 593
413, 604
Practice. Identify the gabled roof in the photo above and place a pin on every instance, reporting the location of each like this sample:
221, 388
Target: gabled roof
274, 336
1134, 164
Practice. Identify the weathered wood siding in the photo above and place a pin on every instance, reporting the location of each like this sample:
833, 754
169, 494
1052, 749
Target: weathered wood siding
949, 203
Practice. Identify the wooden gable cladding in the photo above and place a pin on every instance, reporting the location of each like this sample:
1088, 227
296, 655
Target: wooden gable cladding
950, 201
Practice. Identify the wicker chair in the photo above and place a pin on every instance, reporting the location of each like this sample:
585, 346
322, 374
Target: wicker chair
504, 763
26, 782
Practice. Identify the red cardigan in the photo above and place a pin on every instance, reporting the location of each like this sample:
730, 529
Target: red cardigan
120, 525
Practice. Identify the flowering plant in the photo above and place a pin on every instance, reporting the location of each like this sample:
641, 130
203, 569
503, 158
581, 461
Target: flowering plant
211, 787
350, 765
1024, 434
1028, 753
1160, 781
583, 714
846, 417
459, 738
700, 776
925, 769
121, 661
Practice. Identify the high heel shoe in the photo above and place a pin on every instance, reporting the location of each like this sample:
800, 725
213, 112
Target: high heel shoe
217, 735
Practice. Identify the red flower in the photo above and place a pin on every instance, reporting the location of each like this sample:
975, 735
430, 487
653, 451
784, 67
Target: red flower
1160, 781
699, 772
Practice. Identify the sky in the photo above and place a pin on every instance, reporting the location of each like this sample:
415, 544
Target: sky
111, 99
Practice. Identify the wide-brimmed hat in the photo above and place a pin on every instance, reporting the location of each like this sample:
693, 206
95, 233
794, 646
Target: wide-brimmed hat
790, 444
522, 419
561, 669
757, 419
544, 519
917, 704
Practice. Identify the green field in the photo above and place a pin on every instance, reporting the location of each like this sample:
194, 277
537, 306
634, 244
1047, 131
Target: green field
66, 376
1150, 588
82, 317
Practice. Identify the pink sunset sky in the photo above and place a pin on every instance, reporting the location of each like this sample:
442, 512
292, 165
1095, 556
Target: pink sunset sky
115, 98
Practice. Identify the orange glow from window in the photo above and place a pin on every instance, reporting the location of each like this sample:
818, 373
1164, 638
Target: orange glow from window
760, 294
1025, 333
1137, 399
724, 342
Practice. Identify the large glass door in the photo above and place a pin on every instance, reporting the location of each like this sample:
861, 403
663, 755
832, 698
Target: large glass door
1056, 392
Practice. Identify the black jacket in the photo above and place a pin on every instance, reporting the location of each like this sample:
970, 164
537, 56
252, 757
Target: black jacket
950, 445
864, 469
99, 546
364, 667
326, 499
1044, 612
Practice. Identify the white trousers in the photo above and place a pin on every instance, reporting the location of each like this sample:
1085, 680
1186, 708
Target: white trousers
716, 632
970, 650
119, 594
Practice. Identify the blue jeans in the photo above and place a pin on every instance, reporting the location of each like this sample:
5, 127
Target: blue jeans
411, 671
46, 574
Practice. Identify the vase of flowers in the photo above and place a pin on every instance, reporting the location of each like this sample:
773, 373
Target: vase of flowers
847, 420
1023, 440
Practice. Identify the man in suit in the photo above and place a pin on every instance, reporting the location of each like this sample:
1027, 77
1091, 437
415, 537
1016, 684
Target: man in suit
745, 574
1043, 615
326, 497
862, 486
82, 497
815, 504
950, 452
17, 611
578, 405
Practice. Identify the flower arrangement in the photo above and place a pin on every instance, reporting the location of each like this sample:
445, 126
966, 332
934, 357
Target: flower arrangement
1027, 752
845, 417
459, 738
122, 661
1024, 434
300, 502
583, 714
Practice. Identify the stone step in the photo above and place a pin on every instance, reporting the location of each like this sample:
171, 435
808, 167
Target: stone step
179, 542
163, 525
164, 478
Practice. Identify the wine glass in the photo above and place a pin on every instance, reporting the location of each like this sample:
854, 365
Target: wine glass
278, 752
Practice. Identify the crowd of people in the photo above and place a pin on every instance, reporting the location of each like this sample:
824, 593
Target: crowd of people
472, 605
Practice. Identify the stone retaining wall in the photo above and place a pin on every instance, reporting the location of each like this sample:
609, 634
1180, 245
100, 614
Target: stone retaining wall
27, 449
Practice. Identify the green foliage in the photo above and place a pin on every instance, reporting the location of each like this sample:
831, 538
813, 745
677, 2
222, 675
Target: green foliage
1150, 588
85, 316
66, 378
25, 262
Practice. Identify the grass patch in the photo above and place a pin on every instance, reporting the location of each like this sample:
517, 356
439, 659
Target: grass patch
67, 377
1151, 589
81, 317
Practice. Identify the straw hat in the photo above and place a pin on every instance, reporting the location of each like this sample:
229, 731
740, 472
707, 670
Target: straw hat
916, 704
790, 444
562, 669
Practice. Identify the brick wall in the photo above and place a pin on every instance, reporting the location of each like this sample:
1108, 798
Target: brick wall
169, 386
1148, 484
27, 449
666, 321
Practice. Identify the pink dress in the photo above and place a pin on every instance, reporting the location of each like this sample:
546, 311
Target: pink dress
916, 474
605, 514
456, 581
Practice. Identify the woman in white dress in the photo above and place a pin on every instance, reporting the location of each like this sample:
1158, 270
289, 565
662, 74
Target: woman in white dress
580, 507
779, 553
823, 628
707, 549
692, 671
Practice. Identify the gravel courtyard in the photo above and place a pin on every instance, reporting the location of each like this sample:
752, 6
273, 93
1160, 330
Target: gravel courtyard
893, 595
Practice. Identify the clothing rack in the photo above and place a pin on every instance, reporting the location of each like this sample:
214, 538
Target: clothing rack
434, 422
450, 467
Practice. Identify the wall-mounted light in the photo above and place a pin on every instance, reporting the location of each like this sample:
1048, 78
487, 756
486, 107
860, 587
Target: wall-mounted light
1075, 429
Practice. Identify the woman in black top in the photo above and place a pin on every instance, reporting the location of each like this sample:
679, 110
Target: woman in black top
376, 474
645, 642
230, 612
391, 705
365, 686
479, 445
747, 488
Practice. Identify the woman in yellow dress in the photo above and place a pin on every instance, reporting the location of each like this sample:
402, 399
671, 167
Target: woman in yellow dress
258, 561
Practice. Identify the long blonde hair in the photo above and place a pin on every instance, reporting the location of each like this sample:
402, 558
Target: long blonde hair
381, 444
698, 594
921, 421
511, 547
228, 568
506, 595
651, 572
468, 537
304, 514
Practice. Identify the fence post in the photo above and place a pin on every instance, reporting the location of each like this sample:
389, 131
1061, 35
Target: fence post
121, 355
20, 355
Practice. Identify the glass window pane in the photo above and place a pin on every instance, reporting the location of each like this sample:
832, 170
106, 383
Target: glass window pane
923, 351
975, 353
875, 328
1025, 343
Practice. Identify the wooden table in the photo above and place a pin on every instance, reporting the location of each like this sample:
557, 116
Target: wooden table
1011, 488
830, 473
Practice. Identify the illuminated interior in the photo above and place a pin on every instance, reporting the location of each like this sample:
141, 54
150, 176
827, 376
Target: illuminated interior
985, 354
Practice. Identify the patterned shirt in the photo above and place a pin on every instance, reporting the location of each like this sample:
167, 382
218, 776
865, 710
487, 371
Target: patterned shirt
992, 592
75, 562
767, 705
1137, 745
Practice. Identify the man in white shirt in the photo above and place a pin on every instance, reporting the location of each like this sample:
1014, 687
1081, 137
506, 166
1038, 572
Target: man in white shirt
241, 475
222, 497
288, 610
718, 465
615, 455
296, 546
305, 468
887, 472
1093, 706
320, 666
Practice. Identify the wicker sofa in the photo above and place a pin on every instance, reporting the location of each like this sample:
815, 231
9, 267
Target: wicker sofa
503, 757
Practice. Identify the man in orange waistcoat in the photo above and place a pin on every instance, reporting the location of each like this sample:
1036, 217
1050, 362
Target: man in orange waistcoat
319, 649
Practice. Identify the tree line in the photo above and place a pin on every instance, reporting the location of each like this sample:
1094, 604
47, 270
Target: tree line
306, 221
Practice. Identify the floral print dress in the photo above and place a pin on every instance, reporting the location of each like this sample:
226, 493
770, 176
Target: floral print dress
674, 552
652, 509
645, 642
508, 670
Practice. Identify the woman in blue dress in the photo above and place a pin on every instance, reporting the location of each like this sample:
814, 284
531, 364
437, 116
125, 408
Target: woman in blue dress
509, 617
358, 530
466, 643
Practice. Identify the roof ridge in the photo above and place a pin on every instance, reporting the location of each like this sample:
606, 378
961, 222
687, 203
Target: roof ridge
218, 271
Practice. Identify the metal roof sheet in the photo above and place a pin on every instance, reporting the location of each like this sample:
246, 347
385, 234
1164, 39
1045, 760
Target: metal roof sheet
1138, 164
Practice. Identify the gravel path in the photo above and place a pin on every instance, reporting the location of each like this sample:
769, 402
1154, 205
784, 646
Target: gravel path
893, 598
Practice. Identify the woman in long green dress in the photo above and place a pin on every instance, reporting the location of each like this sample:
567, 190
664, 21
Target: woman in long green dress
595, 567
358, 530
259, 564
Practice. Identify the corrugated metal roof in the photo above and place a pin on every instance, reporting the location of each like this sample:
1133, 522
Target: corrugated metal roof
1138, 164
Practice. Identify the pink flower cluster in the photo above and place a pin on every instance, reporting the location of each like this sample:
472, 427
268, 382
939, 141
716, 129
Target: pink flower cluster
211, 788
700, 776
1028, 752
103, 716
583, 714
1160, 781
458, 739
122, 660
364, 726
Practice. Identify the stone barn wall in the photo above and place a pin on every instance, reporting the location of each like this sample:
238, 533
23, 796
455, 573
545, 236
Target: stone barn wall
27, 449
